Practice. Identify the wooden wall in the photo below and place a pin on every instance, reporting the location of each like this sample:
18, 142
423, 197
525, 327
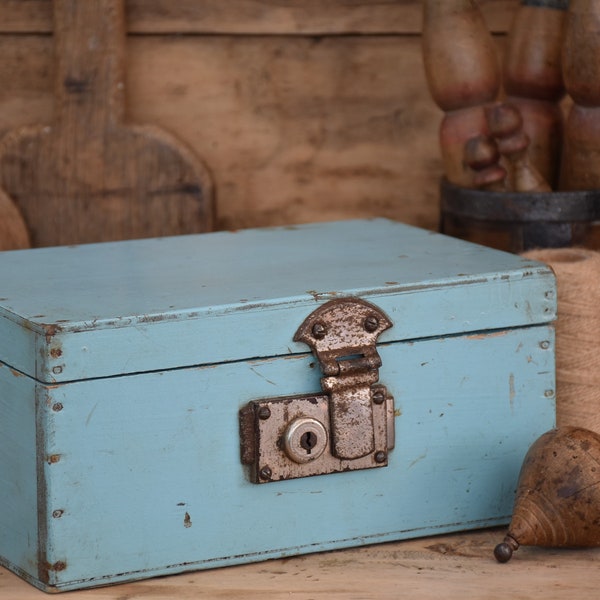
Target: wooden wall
303, 110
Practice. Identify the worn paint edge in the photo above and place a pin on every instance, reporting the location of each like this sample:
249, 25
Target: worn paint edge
278, 553
42, 509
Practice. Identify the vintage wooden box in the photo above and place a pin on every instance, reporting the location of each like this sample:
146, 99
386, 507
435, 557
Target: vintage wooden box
161, 409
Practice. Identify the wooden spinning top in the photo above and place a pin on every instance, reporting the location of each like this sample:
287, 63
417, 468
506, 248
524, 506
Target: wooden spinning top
558, 496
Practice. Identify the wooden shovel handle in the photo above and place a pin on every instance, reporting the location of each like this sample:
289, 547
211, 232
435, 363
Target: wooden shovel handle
90, 56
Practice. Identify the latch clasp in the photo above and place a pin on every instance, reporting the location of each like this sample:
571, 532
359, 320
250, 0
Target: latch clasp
349, 426
343, 336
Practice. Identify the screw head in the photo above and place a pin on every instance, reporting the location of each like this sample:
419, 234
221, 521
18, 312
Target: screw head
264, 412
319, 331
265, 473
371, 323
380, 457
57, 514
378, 397
57, 406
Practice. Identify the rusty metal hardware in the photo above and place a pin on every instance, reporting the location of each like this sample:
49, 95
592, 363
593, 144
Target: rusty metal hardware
349, 425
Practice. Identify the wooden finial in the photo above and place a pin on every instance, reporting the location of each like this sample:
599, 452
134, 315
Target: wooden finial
580, 168
463, 75
533, 79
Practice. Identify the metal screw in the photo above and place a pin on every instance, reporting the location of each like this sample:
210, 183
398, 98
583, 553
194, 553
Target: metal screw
57, 514
371, 323
57, 370
319, 331
380, 457
545, 345
264, 412
378, 397
549, 393
57, 407
265, 473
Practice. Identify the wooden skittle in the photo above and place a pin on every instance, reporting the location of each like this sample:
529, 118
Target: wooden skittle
463, 75
580, 168
87, 175
533, 79
506, 125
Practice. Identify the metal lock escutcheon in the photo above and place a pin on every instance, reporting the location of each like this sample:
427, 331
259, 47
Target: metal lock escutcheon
349, 425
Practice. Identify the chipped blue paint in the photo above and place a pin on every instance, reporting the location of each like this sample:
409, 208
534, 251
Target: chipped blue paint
129, 363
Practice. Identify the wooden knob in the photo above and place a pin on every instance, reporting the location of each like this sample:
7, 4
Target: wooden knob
506, 125
580, 167
459, 54
532, 67
482, 156
581, 52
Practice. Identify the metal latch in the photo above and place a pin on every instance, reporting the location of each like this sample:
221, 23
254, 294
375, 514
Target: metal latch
349, 425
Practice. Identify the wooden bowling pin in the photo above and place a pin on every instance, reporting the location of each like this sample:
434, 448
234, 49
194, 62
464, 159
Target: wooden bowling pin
533, 79
581, 71
506, 125
463, 75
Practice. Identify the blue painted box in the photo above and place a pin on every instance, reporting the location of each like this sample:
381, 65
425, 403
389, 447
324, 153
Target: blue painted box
125, 367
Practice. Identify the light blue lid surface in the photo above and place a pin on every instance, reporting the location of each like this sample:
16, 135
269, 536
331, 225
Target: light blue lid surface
69, 313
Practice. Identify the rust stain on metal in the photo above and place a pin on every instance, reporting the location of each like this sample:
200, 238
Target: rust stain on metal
59, 565
351, 428
342, 335
247, 435
53, 458
16, 373
55, 352
44, 571
50, 330
187, 521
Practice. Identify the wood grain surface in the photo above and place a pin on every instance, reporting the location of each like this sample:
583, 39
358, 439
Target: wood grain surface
454, 567
294, 129
85, 175
290, 17
302, 113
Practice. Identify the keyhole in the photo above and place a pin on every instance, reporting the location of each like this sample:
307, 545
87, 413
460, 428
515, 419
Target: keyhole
308, 441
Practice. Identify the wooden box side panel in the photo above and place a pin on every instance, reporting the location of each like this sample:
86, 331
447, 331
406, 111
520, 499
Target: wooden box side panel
18, 473
147, 478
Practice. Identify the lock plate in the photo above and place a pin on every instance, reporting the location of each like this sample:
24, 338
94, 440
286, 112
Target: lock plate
349, 425
274, 437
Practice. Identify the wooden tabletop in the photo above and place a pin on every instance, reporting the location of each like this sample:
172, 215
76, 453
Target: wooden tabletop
457, 566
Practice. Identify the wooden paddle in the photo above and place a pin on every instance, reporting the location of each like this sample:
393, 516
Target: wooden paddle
13, 231
88, 176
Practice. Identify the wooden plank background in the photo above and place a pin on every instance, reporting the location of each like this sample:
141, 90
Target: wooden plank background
303, 110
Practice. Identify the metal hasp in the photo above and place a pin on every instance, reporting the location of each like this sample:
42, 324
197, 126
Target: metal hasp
348, 426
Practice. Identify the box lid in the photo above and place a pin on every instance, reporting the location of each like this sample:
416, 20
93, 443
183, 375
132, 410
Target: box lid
96, 310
